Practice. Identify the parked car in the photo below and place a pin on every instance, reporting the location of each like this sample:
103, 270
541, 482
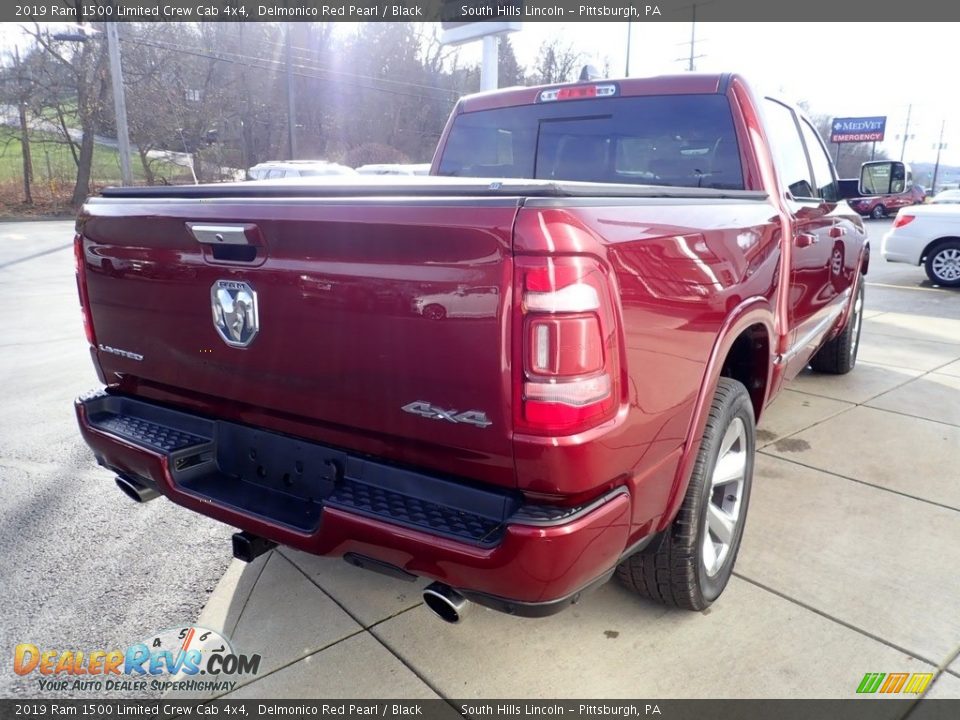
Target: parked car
464, 302
276, 170
880, 206
395, 169
650, 272
927, 236
946, 197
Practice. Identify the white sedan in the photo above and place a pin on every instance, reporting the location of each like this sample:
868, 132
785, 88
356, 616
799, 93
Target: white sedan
927, 235
948, 197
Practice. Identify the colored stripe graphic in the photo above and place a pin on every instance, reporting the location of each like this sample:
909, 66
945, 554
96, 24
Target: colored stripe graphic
870, 682
895, 681
909, 683
918, 683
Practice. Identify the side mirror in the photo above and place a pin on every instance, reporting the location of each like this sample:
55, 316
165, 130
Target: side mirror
883, 177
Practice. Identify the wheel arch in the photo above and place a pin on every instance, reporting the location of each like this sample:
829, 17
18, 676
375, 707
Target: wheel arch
743, 351
932, 245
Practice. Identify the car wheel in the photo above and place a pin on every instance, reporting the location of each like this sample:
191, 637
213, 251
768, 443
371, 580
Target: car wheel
943, 264
434, 312
839, 355
690, 563
878, 213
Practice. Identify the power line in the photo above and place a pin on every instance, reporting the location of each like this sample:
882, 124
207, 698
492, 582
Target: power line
312, 51
314, 68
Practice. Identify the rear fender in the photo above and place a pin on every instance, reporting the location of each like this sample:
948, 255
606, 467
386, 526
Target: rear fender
752, 311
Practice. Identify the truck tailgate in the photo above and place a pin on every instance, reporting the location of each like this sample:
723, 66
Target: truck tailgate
382, 320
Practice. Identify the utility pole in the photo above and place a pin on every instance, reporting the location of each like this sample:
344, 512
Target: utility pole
291, 110
936, 166
693, 37
629, 29
693, 40
906, 133
119, 103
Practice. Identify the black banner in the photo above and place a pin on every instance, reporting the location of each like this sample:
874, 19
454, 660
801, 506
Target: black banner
873, 708
481, 11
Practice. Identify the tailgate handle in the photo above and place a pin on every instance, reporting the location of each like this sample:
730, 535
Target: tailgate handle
246, 234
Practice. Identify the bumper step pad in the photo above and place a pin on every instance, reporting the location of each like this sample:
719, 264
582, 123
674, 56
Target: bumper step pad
407, 510
144, 432
289, 480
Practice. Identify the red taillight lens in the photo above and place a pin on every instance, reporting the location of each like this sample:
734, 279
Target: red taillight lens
78, 264
568, 377
903, 220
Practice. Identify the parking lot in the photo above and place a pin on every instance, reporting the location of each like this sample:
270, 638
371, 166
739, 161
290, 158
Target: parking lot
849, 562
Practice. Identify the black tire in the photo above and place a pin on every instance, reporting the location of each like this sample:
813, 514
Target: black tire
673, 569
435, 312
839, 355
879, 212
944, 258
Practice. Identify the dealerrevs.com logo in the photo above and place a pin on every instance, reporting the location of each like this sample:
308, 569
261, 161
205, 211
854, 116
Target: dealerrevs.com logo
183, 659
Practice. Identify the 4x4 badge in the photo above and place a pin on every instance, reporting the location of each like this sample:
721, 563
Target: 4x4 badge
467, 417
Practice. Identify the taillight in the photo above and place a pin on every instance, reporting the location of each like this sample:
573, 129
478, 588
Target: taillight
78, 265
568, 376
903, 220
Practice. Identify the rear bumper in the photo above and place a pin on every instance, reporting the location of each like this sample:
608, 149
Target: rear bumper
899, 246
528, 560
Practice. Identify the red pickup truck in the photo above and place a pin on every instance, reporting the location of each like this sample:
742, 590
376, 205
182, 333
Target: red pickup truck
623, 274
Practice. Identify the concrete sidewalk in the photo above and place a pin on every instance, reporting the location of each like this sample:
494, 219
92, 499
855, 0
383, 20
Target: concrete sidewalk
849, 565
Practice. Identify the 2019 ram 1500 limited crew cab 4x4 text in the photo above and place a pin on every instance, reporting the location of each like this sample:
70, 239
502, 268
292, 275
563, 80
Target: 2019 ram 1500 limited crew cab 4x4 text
656, 257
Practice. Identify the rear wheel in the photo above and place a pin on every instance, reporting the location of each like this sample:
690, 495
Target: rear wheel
838, 356
943, 264
689, 565
434, 312
878, 213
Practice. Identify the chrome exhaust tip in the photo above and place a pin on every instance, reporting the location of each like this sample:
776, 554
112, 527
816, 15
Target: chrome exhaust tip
136, 491
445, 602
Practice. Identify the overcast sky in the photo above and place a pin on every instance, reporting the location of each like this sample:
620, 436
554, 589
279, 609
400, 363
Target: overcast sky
840, 69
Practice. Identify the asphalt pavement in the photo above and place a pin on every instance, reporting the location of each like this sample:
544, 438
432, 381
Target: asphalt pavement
82, 566
845, 569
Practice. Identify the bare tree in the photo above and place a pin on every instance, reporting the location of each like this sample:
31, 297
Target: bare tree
18, 91
84, 62
509, 71
557, 62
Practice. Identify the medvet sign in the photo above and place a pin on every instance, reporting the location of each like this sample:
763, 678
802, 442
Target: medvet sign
858, 129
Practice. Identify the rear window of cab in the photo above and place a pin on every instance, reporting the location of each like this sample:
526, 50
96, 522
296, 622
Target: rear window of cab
671, 140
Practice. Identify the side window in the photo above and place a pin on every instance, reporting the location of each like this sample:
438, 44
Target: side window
824, 181
787, 148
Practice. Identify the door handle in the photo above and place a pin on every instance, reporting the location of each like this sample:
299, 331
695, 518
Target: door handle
224, 234
837, 231
807, 239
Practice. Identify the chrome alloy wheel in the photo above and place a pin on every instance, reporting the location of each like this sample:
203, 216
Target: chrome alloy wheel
946, 265
726, 495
